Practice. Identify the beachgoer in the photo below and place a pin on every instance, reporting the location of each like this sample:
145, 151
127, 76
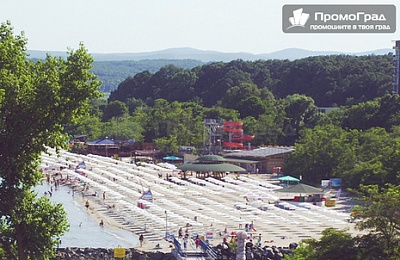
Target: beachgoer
141, 239
249, 245
251, 227
259, 240
101, 223
225, 248
197, 241
224, 233
104, 195
180, 233
185, 240
246, 227
87, 204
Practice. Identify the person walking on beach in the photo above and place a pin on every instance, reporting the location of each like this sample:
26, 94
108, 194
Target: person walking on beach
259, 240
185, 241
101, 223
180, 233
87, 204
252, 226
246, 227
141, 239
197, 241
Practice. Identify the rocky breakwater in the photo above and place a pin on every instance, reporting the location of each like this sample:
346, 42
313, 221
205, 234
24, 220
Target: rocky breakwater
108, 253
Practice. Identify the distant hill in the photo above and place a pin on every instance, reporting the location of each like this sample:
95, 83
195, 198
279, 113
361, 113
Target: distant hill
206, 56
113, 68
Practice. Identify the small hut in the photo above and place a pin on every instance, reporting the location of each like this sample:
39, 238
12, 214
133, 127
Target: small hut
210, 166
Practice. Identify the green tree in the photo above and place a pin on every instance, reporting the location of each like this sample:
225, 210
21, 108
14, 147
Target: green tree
217, 112
380, 112
267, 129
97, 106
236, 94
90, 126
252, 106
38, 223
133, 103
168, 144
115, 109
333, 245
379, 213
39, 100
301, 112
377, 160
321, 153
183, 121
123, 128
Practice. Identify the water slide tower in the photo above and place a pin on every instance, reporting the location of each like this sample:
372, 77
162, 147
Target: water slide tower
396, 68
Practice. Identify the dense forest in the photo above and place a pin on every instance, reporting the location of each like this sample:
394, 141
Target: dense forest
329, 80
111, 73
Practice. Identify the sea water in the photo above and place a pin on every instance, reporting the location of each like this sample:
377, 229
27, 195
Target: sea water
84, 231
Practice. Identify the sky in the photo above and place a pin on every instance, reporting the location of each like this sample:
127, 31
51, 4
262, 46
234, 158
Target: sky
131, 26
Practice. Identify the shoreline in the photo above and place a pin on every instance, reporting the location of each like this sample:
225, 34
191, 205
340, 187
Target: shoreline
83, 223
99, 210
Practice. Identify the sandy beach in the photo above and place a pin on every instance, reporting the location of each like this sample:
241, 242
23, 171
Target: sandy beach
211, 208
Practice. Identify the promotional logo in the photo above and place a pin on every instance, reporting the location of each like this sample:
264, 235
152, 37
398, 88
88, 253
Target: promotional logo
299, 18
339, 19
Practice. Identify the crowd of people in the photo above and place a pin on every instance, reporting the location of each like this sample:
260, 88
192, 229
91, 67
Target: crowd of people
255, 247
226, 250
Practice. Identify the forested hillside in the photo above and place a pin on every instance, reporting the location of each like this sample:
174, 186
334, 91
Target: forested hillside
111, 73
330, 80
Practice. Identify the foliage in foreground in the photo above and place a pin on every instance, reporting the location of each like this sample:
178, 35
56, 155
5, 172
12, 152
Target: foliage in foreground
36, 101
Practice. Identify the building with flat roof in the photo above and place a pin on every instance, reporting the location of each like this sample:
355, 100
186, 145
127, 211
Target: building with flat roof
261, 160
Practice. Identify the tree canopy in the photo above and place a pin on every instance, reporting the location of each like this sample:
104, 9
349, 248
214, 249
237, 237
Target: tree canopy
37, 100
333, 80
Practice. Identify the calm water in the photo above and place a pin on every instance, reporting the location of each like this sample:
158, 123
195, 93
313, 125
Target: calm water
84, 230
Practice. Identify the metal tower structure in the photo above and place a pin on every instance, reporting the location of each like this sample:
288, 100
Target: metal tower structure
212, 134
396, 68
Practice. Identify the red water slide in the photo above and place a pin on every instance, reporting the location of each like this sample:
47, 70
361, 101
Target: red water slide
232, 145
244, 138
236, 136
